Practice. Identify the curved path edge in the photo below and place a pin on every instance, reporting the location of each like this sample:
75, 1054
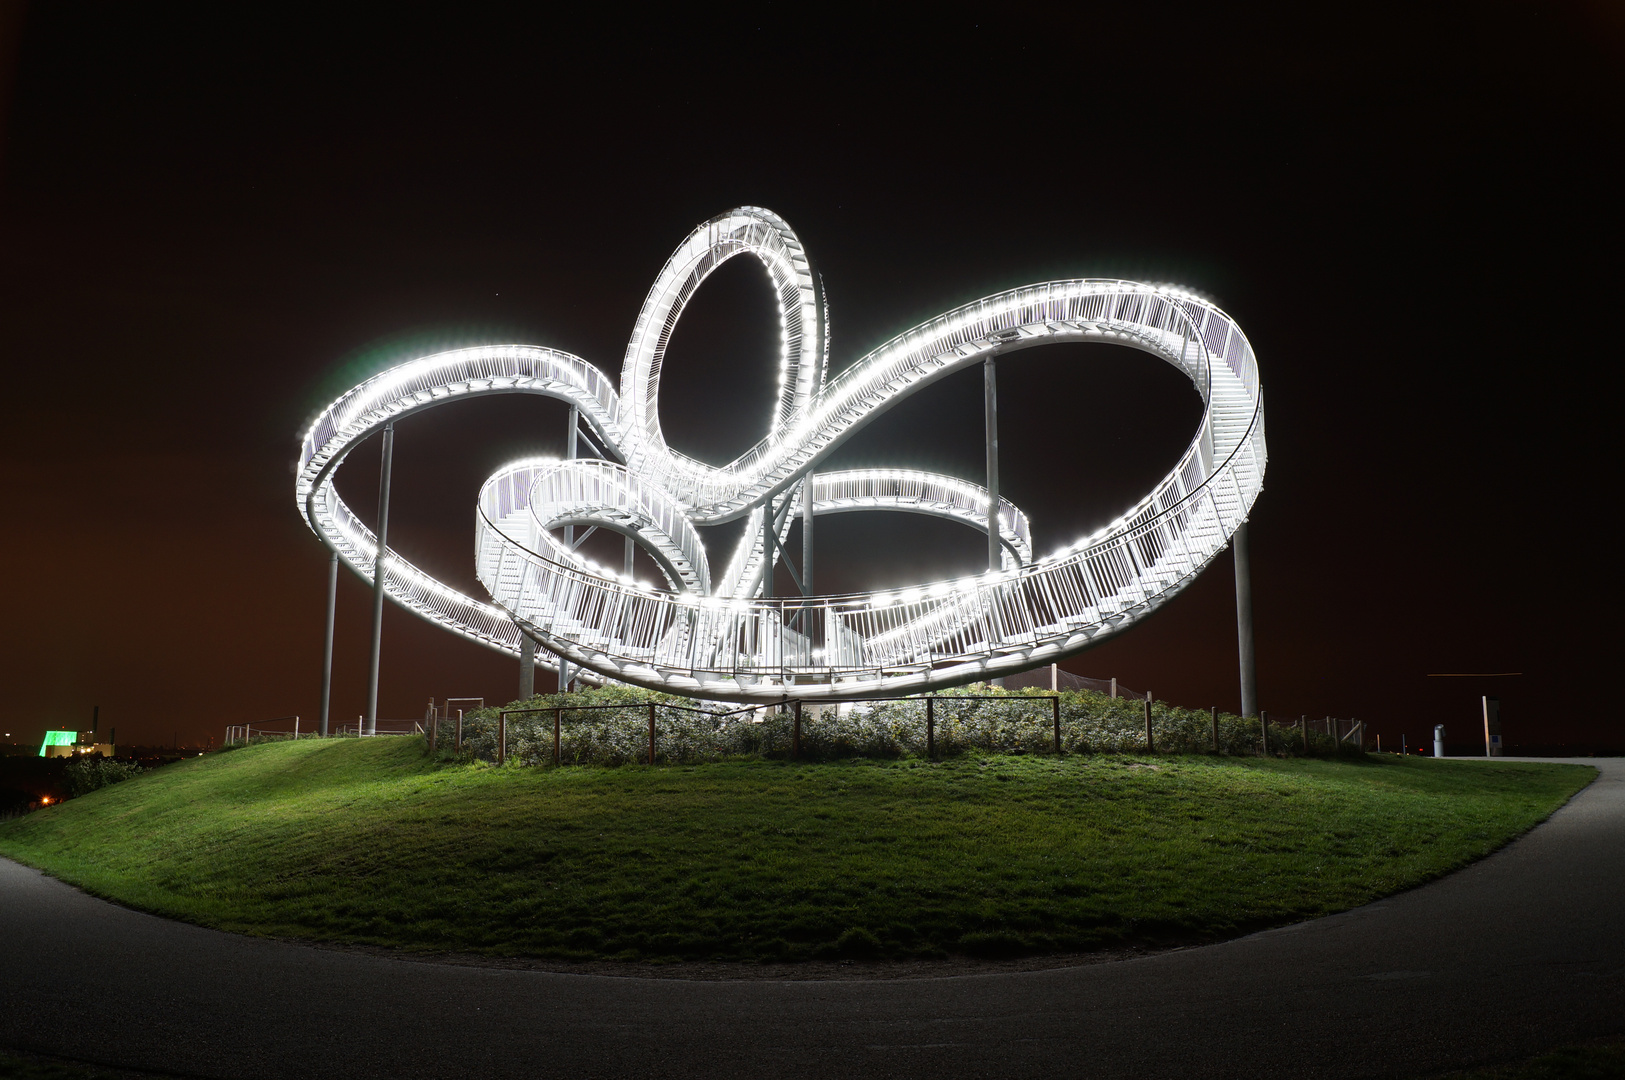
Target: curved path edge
1516, 953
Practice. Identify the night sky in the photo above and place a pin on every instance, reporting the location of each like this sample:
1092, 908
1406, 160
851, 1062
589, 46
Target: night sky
213, 221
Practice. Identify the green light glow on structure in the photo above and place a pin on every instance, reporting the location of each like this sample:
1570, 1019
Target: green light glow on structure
58, 738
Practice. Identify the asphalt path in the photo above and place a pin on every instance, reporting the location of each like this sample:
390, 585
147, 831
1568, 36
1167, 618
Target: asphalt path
1520, 952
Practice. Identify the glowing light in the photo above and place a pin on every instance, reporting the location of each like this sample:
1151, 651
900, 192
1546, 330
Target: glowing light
680, 638
58, 738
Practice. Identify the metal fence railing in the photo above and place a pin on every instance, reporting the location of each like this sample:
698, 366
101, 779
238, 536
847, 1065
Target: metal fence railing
1018, 721
1037, 712
288, 728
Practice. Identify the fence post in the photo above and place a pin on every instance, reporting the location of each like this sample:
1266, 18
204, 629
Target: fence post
557, 758
930, 730
459, 729
1264, 729
797, 736
1215, 729
1055, 708
1150, 741
651, 733
434, 729
1303, 729
502, 737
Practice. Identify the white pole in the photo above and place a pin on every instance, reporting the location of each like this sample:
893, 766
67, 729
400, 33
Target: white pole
990, 418
378, 571
569, 530
327, 648
807, 538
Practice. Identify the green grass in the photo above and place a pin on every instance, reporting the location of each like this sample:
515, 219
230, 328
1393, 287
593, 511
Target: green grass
370, 842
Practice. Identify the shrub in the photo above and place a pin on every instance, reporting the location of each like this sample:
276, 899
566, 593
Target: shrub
1003, 722
86, 774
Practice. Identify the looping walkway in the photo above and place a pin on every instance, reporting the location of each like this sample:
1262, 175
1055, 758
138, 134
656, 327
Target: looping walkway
719, 633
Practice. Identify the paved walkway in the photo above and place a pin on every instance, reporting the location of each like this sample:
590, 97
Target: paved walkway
1513, 955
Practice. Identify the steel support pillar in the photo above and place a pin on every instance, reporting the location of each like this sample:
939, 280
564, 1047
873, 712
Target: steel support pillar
378, 572
569, 530
990, 415
768, 561
807, 537
1244, 622
327, 646
527, 667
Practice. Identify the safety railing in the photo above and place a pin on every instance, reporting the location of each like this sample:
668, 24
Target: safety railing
730, 645
1033, 722
243, 734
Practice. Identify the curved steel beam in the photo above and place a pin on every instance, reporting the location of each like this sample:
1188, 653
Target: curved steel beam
721, 639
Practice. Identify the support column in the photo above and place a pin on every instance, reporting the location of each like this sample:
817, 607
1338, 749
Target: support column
990, 414
527, 667
1244, 622
378, 572
569, 530
327, 647
767, 550
807, 537
630, 549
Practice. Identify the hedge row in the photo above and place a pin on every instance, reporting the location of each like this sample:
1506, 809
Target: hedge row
1007, 722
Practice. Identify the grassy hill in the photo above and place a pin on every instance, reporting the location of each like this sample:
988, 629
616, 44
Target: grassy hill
372, 842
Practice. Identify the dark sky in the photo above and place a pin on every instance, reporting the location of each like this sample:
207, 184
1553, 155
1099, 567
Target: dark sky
213, 220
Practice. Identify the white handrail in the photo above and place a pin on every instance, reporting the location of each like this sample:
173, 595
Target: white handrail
721, 639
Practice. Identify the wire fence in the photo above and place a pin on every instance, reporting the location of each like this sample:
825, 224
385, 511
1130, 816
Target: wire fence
287, 728
1044, 711
1054, 679
617, 726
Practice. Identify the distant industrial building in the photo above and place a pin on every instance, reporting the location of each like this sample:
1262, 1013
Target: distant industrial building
66, 744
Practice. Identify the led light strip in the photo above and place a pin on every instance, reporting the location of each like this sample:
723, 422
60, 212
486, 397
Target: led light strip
720, 638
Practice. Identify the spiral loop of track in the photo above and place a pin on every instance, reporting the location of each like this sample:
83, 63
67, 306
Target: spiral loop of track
711, 633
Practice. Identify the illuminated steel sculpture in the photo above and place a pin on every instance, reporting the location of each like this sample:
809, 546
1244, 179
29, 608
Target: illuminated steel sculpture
719, 633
